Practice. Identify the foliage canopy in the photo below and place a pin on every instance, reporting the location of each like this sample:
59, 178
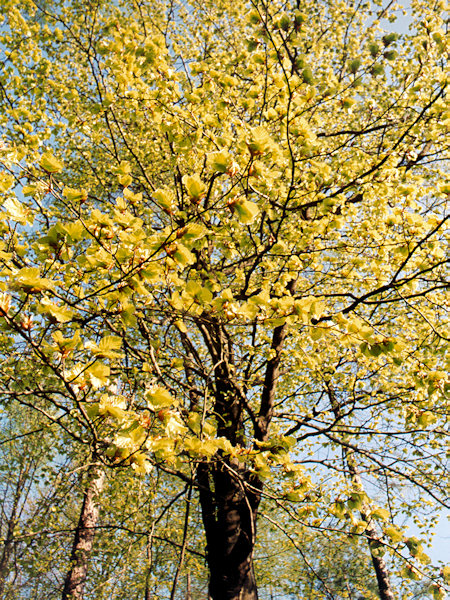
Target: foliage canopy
223, 256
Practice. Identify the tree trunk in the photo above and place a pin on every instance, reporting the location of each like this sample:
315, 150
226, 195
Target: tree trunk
84, 536
188, 587
229, 492
379, 565
229, 510
384, 583
8, 544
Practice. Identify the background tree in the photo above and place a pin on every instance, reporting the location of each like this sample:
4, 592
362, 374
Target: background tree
212, 214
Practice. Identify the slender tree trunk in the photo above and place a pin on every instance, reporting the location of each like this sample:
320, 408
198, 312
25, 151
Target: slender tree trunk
8, 544
229, 510
188, 587
148, 591
379, 564
84, 536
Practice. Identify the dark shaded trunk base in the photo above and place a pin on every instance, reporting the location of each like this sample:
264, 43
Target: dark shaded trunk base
229, 497
233, 581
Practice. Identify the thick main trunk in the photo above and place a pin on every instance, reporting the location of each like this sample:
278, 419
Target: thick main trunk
229, 492
84, 537
229, 510
6, 554
7, 548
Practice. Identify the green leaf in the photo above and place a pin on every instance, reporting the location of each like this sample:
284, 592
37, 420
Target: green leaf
107, 347
389, 38
50, 163
308, 76
354, 65
414, 545
158, 397
390, 54
374, 49
29, 280
247, 211
194, 186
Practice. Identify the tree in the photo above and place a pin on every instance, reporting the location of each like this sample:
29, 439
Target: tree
84, 535
214, 213
49, 538
32, 486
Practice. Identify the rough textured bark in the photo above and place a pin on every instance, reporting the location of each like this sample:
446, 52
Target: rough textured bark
84, 536
229, 492
229, 516
5, 557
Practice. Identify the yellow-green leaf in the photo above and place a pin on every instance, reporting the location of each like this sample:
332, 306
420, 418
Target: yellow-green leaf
158, 397
107, 347
50, 163
29, 280
246, 210
194, 186
60, 314
219, 161
16, 211
75, 194
394, 533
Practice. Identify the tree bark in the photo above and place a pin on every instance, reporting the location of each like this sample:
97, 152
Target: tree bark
188, 587
9, 542
229, 500
84, 536
229, 491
